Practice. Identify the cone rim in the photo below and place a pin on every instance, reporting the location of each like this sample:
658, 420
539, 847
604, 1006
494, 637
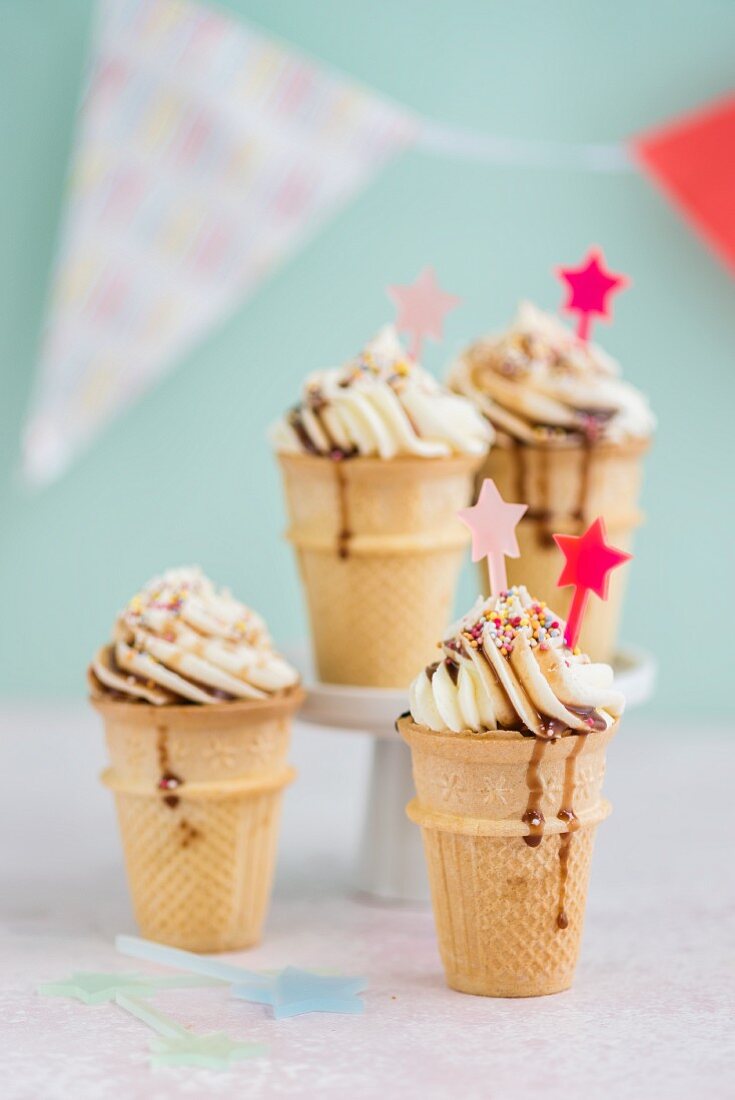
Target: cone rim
285, 702
247, 786
382, 546
567, 523
468, 825
473, 745
372, 465
633, 445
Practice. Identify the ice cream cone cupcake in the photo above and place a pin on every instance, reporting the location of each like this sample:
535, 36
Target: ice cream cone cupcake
508, 733
376, 459
197, 708
570, 437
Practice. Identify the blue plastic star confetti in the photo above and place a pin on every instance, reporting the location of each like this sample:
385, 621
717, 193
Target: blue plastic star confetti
293, 992
95, 989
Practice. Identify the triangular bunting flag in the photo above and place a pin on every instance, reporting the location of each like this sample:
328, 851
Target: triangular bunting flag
693, 160
206, 152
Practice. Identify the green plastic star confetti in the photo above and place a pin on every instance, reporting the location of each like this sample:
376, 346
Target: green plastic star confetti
215, 1051
176, 1046
95, 989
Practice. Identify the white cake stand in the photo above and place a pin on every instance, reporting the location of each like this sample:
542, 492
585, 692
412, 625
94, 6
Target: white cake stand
391, 862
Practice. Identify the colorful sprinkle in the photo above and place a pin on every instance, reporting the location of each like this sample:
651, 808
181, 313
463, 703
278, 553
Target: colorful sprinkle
501, 624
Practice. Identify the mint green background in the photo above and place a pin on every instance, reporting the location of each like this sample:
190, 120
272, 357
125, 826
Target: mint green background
187, 476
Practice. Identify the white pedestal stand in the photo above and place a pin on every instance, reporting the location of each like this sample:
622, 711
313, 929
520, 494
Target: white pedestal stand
391, 862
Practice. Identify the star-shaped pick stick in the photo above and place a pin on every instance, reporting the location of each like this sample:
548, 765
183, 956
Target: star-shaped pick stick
177, 1046
214, 1051
589, 560
290, 992
294, 992
94, 989
588, 289
493, 522
422, 307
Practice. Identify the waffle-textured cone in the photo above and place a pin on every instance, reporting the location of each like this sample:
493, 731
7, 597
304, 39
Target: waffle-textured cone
508, 916
198, 792
379, 548
566, 488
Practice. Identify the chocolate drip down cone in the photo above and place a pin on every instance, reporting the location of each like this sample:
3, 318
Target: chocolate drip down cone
198, 793
565, 488
379, 550
508, 824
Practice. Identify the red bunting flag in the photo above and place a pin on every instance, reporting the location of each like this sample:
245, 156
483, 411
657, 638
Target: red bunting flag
693, 161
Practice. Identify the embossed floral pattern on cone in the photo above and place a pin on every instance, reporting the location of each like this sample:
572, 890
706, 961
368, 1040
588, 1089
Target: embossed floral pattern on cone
565, 488
379, 548
198, 791
509, 915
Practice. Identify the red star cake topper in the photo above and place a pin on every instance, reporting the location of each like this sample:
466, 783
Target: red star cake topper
588, 290
492, 522
422, 307
589, 561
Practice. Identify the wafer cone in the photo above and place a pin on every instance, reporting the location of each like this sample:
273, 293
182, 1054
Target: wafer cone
379, 549
566, 488
198, 792
508, 916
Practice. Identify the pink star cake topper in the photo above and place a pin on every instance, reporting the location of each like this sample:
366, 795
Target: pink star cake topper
492, 522
589, 560
588, 289
422, 307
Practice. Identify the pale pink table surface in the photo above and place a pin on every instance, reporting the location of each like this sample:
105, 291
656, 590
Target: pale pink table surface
651, 1014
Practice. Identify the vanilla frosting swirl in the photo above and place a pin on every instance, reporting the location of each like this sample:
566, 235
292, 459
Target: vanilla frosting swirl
538, 383
381, 404
506, 666
181, 640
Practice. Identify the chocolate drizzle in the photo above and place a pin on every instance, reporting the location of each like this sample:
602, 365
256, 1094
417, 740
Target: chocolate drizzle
520, 452
541, 512
188, 833
545, 518
586, 438
533, 816
453, 669
585, 460
595, 420
296, 422
552, 727
592, 717
549, 728
344, 534
316, 404
405, 714
451, 666
567, 815
169, 780
480, 651
565, 844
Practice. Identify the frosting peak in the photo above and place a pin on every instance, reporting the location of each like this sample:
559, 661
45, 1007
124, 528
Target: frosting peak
182, 640
539, 383
381, 404
506, 666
